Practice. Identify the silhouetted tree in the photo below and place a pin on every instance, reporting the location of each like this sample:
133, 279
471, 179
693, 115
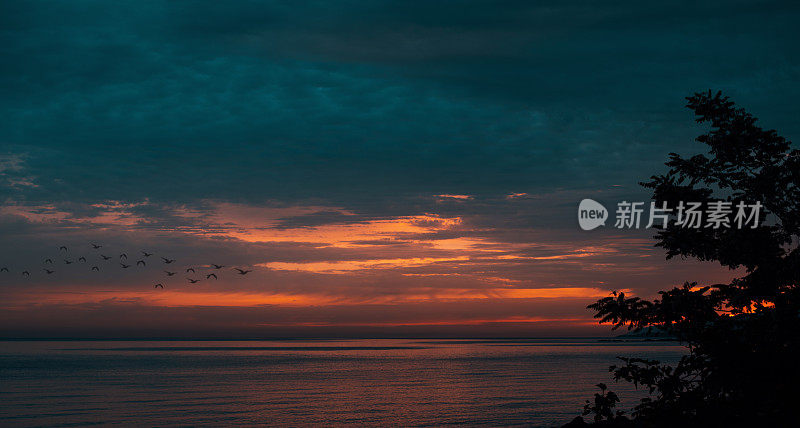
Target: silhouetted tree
603, 405
743, 364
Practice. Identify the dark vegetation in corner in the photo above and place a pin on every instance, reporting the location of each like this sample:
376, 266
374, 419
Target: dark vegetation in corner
743, 365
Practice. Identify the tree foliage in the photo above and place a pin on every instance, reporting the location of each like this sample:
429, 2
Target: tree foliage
743, 364
603, 405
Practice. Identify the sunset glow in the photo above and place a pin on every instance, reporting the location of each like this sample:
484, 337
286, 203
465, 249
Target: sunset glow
341, 259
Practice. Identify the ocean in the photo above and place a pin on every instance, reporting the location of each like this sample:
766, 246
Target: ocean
365, 382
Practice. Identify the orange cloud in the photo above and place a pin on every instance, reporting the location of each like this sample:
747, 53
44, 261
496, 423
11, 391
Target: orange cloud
341, 267
346, 235
459, 197
188, 297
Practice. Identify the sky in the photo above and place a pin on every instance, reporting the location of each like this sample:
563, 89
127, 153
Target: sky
384, 168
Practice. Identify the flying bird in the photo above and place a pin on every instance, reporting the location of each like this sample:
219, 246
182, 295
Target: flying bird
210, 275
4, 269
190, 270
82, 259
62, 248
124, 266
96, 247
217, 266
123, 256
159, 285
67, 262
140, 262
167, 261
49, 271
192, 280
169, 273
49, 261
96, 268
146, 254
26, 273
242, 271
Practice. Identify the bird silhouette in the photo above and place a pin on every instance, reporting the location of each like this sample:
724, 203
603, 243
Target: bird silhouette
123, 257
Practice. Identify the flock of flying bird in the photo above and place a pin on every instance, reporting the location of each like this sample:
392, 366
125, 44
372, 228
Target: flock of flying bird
125, 264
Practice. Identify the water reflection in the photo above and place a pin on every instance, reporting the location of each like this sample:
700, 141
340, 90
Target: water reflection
360, 382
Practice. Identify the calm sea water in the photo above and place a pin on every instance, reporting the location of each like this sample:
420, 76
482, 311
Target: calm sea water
309, 383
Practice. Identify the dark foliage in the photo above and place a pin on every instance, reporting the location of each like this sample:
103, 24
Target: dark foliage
603, 406
743, 364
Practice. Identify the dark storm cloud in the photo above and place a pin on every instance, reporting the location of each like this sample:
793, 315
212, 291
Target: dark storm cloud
363, 102
317, 219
